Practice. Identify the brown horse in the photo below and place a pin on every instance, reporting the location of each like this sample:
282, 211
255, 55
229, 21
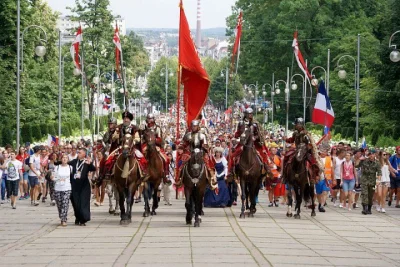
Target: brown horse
249, 171
296, 176
195, 182
156, 172
126, 178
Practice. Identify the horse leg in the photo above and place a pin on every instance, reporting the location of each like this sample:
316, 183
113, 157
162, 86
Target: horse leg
188, 206
129, 202
155, 199
122, 205
117, 205
146, 199
312, 200
299, 199
197, 207
244, 198
290, 202
111, 209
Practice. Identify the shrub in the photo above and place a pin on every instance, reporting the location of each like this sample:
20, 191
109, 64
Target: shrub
36, 132
338, 130
351, 133
396, 132
7, 136
44, 129
66, 131
51, 129
26, 133
374, 137
87, 124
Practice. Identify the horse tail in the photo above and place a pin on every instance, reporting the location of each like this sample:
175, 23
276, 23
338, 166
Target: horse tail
307, 192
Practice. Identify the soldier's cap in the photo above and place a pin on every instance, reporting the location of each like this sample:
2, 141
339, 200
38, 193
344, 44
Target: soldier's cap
372, 151
112, 120
249, 111
195, 123
128, 115
150, 116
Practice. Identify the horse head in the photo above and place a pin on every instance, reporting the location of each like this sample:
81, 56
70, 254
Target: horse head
128, 143
301, 152
149, 138
196, 163
246, 138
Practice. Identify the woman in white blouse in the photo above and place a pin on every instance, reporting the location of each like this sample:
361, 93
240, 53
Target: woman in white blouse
62, 188
383, 183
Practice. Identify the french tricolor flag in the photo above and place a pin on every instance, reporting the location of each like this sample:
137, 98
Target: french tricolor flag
52, 140
323, 111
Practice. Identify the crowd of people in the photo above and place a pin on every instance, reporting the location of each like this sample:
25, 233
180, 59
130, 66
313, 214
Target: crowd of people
77, 171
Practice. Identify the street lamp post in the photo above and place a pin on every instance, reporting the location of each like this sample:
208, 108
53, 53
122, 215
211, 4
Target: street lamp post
226, 74
255, 93
166, 69
342, 75
314, 81
39, 51
294, 87
287, 97
395, 54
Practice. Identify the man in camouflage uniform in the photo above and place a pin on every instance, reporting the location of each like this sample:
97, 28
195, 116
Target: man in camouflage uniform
370, 171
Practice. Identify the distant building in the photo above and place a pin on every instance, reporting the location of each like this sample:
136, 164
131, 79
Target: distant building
67, 27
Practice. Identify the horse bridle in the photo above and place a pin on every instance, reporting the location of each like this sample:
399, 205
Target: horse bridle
195, 180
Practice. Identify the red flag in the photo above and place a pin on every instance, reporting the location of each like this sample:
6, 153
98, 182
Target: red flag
237, 39
194, 77
299, 56
75, 48
118, 50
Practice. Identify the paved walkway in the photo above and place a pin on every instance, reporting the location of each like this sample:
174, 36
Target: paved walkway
30, 236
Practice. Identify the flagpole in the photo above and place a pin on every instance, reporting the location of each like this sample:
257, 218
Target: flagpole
178, 105
124, 79
237, 60
82, 90
112, 91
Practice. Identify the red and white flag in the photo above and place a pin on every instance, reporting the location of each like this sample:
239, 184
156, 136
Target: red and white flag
75, 48
236, 46
299, 56
118, 50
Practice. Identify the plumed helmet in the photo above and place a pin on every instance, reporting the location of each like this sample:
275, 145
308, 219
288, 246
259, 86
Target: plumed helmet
195, 123
150, 116
112, 120
299, 120
127, 114
248, 111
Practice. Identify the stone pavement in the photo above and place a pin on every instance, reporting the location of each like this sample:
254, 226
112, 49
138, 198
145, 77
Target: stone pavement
31, 236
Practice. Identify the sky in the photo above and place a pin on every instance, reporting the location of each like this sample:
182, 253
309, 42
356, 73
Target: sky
161, 13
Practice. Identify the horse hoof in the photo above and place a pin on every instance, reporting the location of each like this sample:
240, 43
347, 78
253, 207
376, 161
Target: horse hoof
145, 214
111, 211
196, 224
200, 221
188, 222
116, 213
297, 216
153, 213
202, 213
124, 222
242, 216
289, 214
313, 214
251, 215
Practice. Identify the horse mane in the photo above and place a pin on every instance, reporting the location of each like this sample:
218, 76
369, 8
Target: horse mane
315, 153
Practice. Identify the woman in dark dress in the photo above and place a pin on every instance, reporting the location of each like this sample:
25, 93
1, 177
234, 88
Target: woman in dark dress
220, 197
81, 190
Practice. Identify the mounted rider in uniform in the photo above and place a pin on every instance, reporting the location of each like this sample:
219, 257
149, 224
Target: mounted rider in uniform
262, 151
128, 128
111, 146
152, 126
195, 139
301, 137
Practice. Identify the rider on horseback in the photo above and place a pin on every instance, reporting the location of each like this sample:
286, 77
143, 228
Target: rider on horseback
128, 128
195, 139
259, 145
152, 126
111, 142
300, 138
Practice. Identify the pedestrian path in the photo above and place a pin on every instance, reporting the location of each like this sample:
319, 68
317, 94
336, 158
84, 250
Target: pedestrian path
31, 236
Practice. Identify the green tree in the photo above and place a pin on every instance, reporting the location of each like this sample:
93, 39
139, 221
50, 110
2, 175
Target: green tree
156, 82
36, 132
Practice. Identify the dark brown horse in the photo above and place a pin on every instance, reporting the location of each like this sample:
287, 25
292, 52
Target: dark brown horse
195, 182
249, 171
156, 172
297, 177
126, 178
